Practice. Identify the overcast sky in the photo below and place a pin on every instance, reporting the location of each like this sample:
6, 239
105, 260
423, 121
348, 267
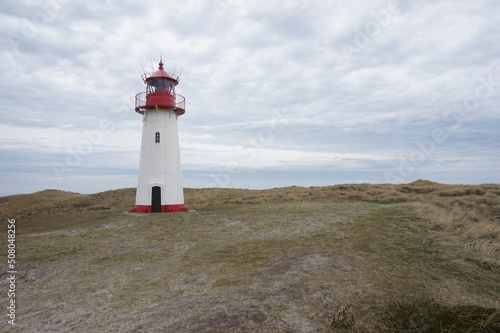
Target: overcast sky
278, 93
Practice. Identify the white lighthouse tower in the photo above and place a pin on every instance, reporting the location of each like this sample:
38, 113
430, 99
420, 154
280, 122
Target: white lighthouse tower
159, 188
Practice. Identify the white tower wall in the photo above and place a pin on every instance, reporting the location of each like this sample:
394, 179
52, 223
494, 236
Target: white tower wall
160, 163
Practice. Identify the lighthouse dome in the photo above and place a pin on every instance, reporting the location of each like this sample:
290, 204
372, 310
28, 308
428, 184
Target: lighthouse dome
161, 73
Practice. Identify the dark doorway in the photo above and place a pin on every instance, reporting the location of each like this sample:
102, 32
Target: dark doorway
156, 199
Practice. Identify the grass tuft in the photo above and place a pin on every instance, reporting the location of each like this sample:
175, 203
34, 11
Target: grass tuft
428, 315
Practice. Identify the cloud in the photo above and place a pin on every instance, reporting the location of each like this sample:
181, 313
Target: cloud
346, 90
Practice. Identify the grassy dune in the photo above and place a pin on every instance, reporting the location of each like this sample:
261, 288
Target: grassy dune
419, 257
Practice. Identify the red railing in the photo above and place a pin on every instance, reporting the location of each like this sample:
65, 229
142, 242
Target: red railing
141, 103
180, 103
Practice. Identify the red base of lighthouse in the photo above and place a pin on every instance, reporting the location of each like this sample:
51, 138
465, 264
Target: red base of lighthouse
164, 209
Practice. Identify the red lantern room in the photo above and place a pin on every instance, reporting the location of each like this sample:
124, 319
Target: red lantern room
160, 93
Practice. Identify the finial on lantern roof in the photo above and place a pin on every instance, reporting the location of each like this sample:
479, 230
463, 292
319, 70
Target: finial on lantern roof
160, 65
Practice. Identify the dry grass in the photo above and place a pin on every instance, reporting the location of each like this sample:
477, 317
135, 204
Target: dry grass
349, 258
54, 202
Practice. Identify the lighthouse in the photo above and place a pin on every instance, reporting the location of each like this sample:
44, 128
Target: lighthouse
159, 187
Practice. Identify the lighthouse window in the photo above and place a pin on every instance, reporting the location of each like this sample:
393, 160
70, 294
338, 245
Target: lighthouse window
157, 137
169, 86
160, 85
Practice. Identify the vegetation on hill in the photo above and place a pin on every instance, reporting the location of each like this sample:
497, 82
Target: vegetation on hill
418, 257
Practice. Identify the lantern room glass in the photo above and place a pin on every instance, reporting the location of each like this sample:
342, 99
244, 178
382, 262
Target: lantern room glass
160, 85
